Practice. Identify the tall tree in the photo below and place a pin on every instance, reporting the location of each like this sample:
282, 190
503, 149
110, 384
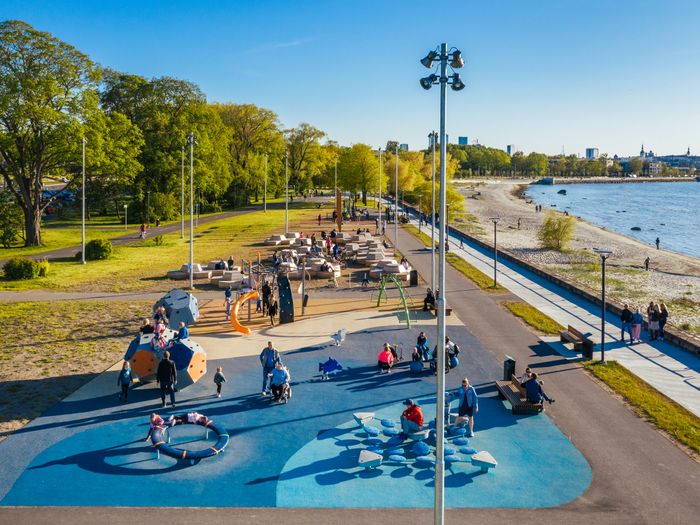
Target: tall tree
306, 159
47, 93
358, 170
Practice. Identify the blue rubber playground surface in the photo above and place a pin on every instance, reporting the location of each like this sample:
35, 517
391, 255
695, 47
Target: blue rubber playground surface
89, 450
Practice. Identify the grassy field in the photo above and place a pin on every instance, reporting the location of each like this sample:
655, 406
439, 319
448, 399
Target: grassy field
142, 265
49, 351
533, 317
650, 403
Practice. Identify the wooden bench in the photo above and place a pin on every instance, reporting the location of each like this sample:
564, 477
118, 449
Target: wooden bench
448, 310
515, 393
580, 341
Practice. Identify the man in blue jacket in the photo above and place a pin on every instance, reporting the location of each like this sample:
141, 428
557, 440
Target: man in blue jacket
468, 404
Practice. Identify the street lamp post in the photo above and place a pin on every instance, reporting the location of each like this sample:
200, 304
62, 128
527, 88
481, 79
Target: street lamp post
182, 196
420, 211
456, 61
447, 227
379, 203
604, 255
495, 220
286, 191
191, 141
82, 244
335, 181
148, 207
126, 207
433, 140
396, 201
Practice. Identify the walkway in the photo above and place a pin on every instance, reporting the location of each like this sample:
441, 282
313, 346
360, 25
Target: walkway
671, 370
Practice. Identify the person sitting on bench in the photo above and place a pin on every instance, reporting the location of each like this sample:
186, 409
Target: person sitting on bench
385, 360
429, 301
535, 392
412, 417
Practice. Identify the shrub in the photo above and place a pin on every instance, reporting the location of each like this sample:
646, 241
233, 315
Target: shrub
98, 249
11, 220
43, 268
158, 240
556, 231
19, 268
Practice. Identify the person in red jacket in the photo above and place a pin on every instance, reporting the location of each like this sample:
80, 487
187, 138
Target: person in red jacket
385, 359
412, 417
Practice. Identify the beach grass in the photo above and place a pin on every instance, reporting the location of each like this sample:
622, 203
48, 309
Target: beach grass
533, 317
663, 412
480, 279
422, 236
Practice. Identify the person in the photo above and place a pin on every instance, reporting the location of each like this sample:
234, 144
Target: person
269, 357
258, 306
157, 223
221, 265
230, 262
219, 379
166, 377
194, 418
637, 321
365, 281
272, 311
535, 392
155, 422
228, 302
146, 327
266, 293
385, 359
279, 381
518, 222
416, 355
658, 241
429, 300
319, 219
626, 318
411, 418
468, 405
650, 309
646, 263
423, 346
182, 333
124, 380
159, 317
142, 230
527, 375
663, 318
654, 318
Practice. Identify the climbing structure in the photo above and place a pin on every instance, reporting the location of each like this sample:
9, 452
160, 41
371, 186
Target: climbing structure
390, 278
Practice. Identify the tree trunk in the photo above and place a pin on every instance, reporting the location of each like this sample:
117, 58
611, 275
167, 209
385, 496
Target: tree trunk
32, 226
364, 197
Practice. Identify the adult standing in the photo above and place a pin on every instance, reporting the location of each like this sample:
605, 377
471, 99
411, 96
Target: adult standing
658, 241
468, 405
412, 417
646, 263
272, 311
626, 318
663, 318
654, 318
269, 357
266, 293
166, 377
637, 321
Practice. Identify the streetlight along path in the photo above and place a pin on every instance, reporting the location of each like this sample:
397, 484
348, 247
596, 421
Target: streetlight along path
669, 369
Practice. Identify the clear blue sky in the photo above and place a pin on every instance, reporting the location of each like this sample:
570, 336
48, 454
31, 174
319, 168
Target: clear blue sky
539, 74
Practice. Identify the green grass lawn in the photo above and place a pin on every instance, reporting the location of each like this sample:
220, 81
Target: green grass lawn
140, 265
660, 410
533, 317
56, 238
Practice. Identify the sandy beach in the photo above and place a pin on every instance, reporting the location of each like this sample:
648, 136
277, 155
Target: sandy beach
674, 278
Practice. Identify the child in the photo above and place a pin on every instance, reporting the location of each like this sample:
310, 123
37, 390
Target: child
227, 306
156, 421
124, 380
218, 379
258, 306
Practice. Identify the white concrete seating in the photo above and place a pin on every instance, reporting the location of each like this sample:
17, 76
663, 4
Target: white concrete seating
369, 459
184, 272
274, 240
421, 435
484, 460
363, 417
288, 252
232, 278
292, 235
302, 241
287, 267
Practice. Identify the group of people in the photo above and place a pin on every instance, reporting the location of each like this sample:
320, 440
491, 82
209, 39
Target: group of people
632, 323
534, 388
275, 374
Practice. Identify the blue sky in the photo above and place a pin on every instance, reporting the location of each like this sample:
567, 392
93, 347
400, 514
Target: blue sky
540, 74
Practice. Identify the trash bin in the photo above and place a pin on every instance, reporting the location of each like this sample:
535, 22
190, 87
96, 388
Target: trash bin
413, 278
508, 368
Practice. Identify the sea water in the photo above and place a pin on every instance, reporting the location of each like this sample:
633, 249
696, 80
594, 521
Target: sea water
667, 210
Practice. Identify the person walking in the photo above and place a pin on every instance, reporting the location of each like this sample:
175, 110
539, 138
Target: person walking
166, 377
637, 321
650, 309
266, 294
468, 405
319, 219
269, 357
124, 380
654, 318
626, 318
272, 311
646, 263
219, 379
663, 319
658, 241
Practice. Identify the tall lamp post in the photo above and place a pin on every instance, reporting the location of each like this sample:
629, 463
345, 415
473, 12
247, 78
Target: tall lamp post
379, 204
442, 56
148, 207
191, 141
82, 244
182, 196
447, 227
335, 181
286, 191
433, 140
126, 208
604, 254
420, 211
396, 201
495, 220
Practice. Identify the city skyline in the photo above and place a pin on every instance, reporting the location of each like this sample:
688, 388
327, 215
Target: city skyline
546, 76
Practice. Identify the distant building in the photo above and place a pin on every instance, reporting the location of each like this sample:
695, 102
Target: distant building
592, 153
403, 147
510, 149
463, 141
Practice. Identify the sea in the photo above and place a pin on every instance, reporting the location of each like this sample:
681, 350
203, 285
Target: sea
667, 210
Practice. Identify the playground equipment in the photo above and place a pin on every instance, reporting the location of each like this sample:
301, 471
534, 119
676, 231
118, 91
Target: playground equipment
146, 351
179, 306
235, 324
161, 441
286, 302
391, 278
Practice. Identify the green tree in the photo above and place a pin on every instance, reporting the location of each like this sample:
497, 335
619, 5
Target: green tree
47, 94
635, 166
358, 170
10, 219
306, 158
556, 231
538, 164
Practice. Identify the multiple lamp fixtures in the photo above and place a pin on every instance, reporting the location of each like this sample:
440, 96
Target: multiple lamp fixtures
455, 62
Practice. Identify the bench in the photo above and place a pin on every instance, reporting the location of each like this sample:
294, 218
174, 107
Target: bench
448, 310
514, 392
580, 341
484, 460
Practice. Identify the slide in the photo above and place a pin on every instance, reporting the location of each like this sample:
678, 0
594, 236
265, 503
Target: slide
238, 327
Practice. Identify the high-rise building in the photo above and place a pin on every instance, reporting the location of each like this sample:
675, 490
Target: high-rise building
403, 147
592, 153
510, 149
463, 141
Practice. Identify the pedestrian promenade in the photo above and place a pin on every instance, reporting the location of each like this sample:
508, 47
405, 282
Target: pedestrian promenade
669, 369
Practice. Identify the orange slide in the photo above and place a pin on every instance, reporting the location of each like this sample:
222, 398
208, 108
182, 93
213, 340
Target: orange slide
238, 327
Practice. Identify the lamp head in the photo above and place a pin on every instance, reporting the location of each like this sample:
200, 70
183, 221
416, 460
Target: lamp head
457, 84
457, 60
429, 59
427, 82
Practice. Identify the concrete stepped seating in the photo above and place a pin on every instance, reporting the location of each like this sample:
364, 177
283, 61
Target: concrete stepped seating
274, 240
184, 272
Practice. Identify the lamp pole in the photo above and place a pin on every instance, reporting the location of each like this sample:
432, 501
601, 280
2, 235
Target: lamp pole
82, 244
335, 180
191, 141
396, 201
420, 211
495, 220
604, 254
126, 207
286, 191
443, 80
265, 187
182, 196
148, 207
433, 140
379, 204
